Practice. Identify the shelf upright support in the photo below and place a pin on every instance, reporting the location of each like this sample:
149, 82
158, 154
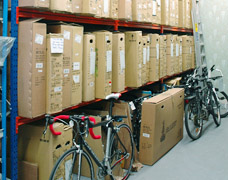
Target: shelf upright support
13, 93
4, 92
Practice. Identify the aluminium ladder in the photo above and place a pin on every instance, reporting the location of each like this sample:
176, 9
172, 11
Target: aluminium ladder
198, 36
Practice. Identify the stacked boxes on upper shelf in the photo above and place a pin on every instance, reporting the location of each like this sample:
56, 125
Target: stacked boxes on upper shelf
175, 13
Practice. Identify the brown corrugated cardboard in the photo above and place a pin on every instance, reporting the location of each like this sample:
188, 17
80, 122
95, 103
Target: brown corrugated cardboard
33, 3
137, 8
158, 12
176, 54
114, 9
89, 58
153, 11
162, 125
180, 53
165, 10
67, 32
125, 9
103, 64
144, 57
177, 64
105, 8
181, 12
77, 50
54, 73
148, 59
154, 57
28, 171
61, 5
77, 6
133, 45
118, 62
144, 10
34, 147
170, 54
162, 60
89, 7
186, 56
31, 68
172, 15
176, 13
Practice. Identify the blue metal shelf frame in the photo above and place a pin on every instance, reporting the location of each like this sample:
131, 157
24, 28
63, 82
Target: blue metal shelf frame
4, 92
13, 93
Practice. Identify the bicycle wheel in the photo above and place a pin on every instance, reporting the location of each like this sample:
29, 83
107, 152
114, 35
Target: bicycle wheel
223, 100
68, 166
121, 152
215, 109
193, 121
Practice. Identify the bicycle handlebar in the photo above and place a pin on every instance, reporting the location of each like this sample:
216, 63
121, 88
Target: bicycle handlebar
83, 118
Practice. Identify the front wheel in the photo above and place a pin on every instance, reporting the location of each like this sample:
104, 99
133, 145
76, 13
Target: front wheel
69, 166
215, 108
223, 100
193, 121
121, 152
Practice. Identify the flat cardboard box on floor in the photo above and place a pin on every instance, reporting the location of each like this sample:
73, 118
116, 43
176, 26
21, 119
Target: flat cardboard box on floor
133, 71
162, 125
54, 73
34, 147
114, 13
103, 64
125, 9
61, 5
33, 3
67, 32
77, 53
154, 57
118, 62
31, 68
88, 65
144, 57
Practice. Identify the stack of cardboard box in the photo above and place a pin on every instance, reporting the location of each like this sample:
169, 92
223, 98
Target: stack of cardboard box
165, 12
144, 62
186, 53
162, 60
137, 10
170, 54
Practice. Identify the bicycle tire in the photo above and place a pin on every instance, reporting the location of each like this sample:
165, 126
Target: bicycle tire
223, 100
64, 164
215, 110
121, 142
192, 120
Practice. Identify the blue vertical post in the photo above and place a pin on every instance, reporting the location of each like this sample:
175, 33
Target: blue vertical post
4, 87
13, 93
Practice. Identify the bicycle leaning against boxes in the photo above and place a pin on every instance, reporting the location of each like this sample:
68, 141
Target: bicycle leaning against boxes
118, 153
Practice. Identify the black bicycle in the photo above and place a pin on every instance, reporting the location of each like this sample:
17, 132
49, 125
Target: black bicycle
119, 152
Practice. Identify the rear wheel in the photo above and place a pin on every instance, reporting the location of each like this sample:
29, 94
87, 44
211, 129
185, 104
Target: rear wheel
121, 152
193, 121
215, 108
73, 165
223, 100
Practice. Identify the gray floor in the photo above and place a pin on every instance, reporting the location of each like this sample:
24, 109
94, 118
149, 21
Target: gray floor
203, 159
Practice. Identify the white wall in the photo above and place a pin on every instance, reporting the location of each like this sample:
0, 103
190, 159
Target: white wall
214, 17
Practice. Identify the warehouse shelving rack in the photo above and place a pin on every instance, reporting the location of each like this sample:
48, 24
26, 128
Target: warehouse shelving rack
16, 14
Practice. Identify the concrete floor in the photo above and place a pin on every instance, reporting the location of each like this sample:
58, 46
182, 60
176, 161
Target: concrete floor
203, 159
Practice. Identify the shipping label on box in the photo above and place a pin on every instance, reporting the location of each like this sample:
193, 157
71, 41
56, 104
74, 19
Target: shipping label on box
118, 62
89, 58
134, 58
77, 50
54, 85
103, 64
31, 68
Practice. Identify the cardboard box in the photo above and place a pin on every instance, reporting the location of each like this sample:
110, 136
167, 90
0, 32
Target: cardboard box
182, 13
158, 2
61, 5
34, 147
176, 55
54, 73
118, 62
67, 32
172, 12
133, 71
153, 11
144, 11
177, 64
170, 54
125, 9
154, 57
114, 13
77, 53
89, 7
28, 171
33, 3
77, 6
31, 68
186, 50
89, 59
176, 13
103, 64
179, 39
137, 10
144, 63
99, 6
105, 8
165, 10
163, 59
162, 125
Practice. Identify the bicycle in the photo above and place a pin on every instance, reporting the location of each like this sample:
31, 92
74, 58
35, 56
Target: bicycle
119, 150
201, 100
